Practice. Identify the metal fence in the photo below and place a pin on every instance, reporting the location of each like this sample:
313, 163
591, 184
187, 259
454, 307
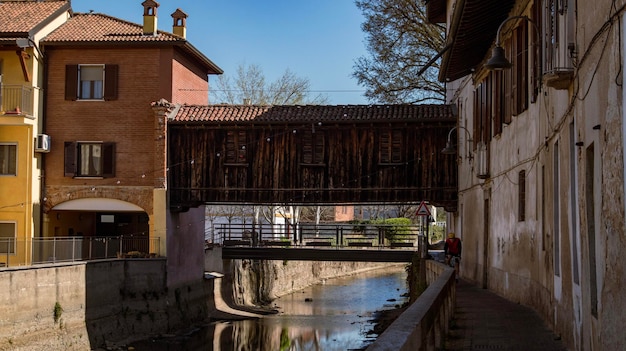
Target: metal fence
308, 234
69, 249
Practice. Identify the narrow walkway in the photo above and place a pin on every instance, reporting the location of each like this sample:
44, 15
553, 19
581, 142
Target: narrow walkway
486, 321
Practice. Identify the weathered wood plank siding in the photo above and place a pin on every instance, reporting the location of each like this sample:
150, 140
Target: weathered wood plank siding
372, 162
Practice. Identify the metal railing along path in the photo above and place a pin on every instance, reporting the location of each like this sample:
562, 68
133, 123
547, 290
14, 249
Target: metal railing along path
69, 249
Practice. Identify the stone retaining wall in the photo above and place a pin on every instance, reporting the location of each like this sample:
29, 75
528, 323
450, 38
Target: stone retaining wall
88, 305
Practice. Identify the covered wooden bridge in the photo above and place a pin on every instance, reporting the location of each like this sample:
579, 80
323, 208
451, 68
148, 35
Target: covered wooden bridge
310, 154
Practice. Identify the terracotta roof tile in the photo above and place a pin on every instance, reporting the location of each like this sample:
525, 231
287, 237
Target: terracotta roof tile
24, 16
309, 113
97, 27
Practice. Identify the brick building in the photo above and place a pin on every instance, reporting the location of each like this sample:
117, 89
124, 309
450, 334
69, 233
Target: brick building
22, 142
106, 173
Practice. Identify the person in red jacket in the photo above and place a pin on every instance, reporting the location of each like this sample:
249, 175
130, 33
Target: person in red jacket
452, 249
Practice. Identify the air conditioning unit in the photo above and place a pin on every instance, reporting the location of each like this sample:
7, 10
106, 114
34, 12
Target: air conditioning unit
42, 143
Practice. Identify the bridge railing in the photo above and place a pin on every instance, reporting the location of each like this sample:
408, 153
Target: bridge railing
318, 235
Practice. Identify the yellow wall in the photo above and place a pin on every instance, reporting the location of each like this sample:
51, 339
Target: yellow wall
15, 191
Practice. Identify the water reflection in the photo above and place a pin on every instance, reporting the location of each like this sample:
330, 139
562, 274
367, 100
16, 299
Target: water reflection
333, 316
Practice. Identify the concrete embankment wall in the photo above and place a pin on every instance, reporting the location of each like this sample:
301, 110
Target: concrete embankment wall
89, 305
424, 324
259, 282
95, 304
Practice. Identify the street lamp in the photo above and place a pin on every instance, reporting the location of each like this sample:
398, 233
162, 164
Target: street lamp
498, 60
24, 43
451, 149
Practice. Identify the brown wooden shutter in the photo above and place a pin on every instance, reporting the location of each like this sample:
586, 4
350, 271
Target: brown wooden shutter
485, 116
385, 146
110, 82
307, 147
319, 147
536, 50
71, 82
396, 146
524, 66
496, 98
70, 159
508, 96
476, 131
108, 160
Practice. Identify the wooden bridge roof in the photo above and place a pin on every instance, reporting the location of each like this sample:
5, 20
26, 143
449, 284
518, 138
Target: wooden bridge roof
255, 114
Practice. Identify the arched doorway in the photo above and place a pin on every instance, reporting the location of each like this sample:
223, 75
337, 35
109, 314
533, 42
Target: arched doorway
104, 227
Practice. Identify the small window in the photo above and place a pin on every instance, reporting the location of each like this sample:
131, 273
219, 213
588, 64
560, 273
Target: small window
236, 147
7, 237
522, 196
8, 159
91, 82
313, 144
89, 159
390, 147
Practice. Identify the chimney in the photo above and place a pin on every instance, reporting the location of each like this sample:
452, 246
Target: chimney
150, 17
180, 27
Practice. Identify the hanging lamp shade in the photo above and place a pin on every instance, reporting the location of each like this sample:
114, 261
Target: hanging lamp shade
498, 60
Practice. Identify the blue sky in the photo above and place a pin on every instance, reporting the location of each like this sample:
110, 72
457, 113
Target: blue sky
318, 40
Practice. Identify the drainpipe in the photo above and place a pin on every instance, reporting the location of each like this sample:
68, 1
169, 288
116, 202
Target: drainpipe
42, 176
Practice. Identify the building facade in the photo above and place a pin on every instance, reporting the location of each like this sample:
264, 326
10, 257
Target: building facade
106, 172
22, 142
541, 157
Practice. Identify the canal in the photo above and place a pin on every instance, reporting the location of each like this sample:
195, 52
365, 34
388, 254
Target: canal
335, 315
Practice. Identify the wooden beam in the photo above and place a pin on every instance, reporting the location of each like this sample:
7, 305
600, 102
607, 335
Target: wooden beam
23, 55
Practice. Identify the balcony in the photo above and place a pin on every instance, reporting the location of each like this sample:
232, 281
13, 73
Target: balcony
16, 100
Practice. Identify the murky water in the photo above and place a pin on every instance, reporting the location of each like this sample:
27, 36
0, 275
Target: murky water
335, 315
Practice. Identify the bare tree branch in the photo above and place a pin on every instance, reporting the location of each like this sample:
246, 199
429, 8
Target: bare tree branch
400, 42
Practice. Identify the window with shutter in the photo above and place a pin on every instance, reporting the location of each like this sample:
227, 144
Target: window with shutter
313, 147
520, 67
90, 159
236, 147
390, 146
521, 193
91, 82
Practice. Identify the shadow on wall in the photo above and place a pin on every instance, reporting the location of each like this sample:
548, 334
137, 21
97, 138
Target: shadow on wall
129, 299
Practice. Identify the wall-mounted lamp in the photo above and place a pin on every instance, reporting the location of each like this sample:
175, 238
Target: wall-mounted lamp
498, 60
451, 149
24, 43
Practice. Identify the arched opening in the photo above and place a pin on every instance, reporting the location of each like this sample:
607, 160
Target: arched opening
104, 227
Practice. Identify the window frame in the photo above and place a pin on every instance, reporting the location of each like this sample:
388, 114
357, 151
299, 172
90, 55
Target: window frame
92, 92
14, 161
521, 193
73, 90
13, 249
73, 163
390, 146
236, 152
313, 147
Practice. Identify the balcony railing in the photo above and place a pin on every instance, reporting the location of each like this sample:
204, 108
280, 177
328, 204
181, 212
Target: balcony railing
16, 100
71, 249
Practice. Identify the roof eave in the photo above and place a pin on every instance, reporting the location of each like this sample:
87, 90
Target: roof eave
469, 49
212, 67
67, 7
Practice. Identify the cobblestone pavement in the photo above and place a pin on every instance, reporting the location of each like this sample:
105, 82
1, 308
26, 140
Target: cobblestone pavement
486, 321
